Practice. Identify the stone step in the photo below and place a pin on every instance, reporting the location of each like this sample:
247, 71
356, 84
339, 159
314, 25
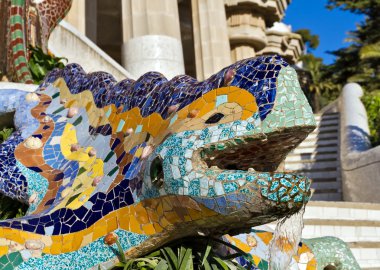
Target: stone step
321, 175
322, 136
343, 211
320, 165
328, 122
318, 117
315, 142
327, 129
332, 196
368, 258
315, 149
324, 180
347, 232
358, 224
310, 157
332, 134
326, 187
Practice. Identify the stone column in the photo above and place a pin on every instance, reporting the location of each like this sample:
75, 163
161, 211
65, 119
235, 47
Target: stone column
246, 32
151, 37
247, 24
283, 42
211, 44
77, 15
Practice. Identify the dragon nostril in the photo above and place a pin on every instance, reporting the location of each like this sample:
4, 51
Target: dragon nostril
330, 267
157, 173
215, 118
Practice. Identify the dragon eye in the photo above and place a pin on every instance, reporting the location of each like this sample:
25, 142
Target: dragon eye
215, 118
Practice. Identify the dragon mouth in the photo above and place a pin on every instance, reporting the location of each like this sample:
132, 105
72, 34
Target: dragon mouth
252, 153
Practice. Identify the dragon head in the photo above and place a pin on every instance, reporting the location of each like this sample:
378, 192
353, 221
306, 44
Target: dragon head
224, 147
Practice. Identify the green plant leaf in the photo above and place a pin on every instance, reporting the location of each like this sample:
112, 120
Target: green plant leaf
121, 251
206, 265
170, 264
187, 260
221, 263
181, 253
207, 252
172, 256
214, 267
156, 253
162, 265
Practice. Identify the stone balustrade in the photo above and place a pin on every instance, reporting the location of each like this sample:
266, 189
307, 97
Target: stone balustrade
360, 163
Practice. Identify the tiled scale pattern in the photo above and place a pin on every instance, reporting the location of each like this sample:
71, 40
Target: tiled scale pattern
153, 159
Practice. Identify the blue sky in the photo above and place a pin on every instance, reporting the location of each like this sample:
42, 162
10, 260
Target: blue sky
331, 26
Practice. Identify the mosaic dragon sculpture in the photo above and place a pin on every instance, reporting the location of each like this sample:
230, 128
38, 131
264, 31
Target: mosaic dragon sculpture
153, 160
24, 23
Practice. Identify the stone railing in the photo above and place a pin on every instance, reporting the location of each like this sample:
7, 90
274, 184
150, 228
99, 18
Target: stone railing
360, 164
67, 41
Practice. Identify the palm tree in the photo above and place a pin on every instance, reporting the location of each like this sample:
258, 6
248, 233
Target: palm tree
370, 51
318, 85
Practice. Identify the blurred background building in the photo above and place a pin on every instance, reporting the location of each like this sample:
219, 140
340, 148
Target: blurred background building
196, 37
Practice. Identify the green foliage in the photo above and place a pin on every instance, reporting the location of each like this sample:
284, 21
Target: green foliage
318, 84
5, 133
40, 63
311, 41
10, 208
186, 254
321, 88
359, 62
370, 51
372, 104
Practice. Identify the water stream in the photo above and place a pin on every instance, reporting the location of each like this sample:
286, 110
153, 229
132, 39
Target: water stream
285, 241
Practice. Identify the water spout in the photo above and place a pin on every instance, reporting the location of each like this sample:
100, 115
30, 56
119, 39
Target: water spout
285, 241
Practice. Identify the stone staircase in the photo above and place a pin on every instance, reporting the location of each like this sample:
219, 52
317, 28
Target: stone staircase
358, 224
318, 158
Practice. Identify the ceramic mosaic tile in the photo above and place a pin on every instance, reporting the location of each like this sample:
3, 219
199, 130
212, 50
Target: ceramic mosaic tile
311, 254
152, 159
